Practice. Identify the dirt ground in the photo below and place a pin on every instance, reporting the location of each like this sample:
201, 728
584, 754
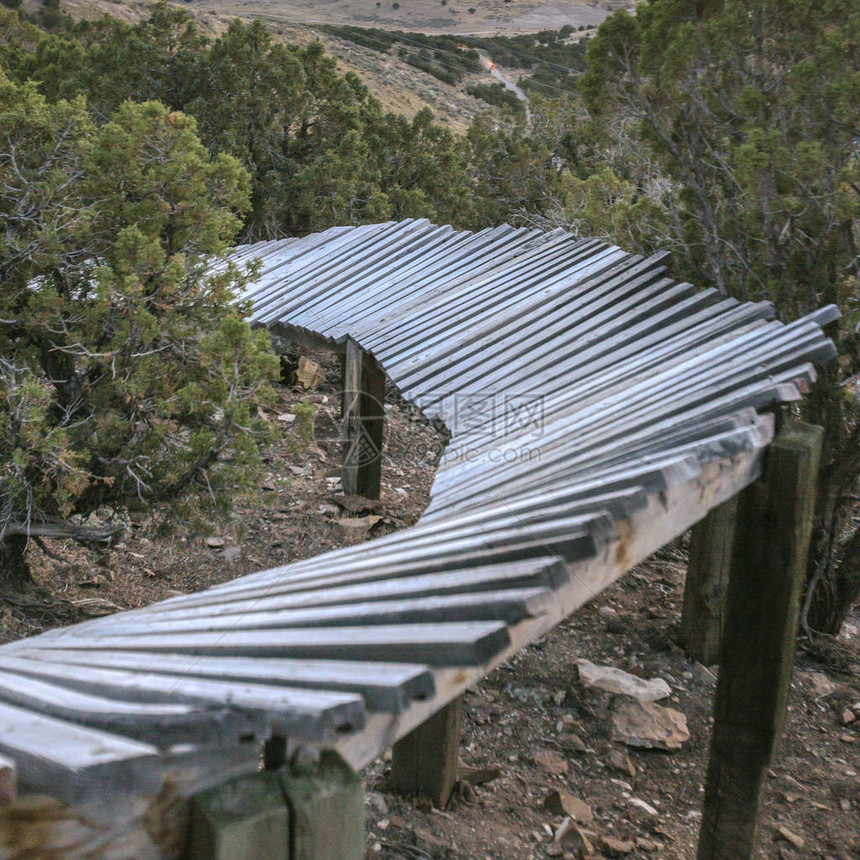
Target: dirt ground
534, 704
530, 726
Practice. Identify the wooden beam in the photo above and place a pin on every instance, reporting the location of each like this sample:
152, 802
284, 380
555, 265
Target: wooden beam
326, 801
703, 613
363, 419
424, 762
768, 566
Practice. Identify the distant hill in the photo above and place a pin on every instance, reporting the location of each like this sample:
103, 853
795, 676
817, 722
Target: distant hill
401, 77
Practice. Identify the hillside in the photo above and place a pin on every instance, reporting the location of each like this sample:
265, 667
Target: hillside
487, 17
400, 86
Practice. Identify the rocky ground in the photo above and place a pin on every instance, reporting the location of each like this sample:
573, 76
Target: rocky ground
543, 774
546, 745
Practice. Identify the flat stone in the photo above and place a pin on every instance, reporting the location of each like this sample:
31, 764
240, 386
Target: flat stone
232, 553
618, 681
572, 741
616, 847
478, 775
215, 542
550, 761
358, 523
564, 803
650, 726
704, 674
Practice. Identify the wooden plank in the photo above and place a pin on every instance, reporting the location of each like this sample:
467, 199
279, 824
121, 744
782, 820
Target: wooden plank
773, 526
73, 762
383, 686
308, 714
452, 644
510, 606
162, 724
326, 802
243, 819
424, 762
703, 612
543, 572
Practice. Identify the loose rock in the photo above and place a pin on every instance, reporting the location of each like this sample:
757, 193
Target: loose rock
571, 837
797, 841
619, 760
573, 742
232, 553
820, 685
618, 681
564, 803
478, 775
644, 724
358, 523
550, 761
616, 847
309, 374
643, 806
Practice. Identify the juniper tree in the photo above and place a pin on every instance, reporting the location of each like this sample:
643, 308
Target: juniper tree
751, 107
127, 374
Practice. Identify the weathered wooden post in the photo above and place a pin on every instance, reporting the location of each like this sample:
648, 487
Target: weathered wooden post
768, 566
707, 579
313, 809
424, 762
363, 417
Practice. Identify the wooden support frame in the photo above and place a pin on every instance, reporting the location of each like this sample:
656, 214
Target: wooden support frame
424, 762
703, 613
768, 567
363, 422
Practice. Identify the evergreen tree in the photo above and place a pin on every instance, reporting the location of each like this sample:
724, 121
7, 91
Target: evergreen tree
127, 375
752, 108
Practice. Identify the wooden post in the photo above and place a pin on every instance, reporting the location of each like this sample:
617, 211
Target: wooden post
424, 762
326, 801
768, 566
8, 780
244, 819
363, 417
703, 614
